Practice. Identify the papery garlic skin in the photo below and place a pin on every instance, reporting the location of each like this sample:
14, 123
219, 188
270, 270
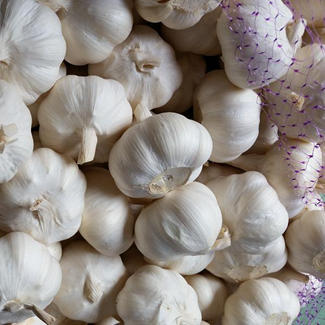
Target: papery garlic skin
231, 115
146, 66
186, 221
250, 209
82, 117
45, 198
201, 38
89, 27
60, 319
263, 301
90, 283
30, 59
253, 37
107, 222
157, 296
312, 11
305, 238
212, 294
234, 265
193, 69
175, 14
29, 275
159, 154
16, 142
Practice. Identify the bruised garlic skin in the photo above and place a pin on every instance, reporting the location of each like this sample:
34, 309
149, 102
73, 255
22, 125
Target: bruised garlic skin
231, 115
250, 209
82, 117
147, 68
234, 265
30, 278
107, 222
212, 294
201, 38
159, 154
157, 296
185, 221
264, 301
45, 198
30, 60
193, 69
253, 37
175, 14
90, 283
16, 142
89, 27
305, 238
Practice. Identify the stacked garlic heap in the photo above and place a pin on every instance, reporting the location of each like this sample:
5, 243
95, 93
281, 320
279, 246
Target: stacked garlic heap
161, 161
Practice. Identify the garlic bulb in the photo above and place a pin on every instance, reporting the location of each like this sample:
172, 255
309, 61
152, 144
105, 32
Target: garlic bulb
255, 44
186, 221
83, 117
193, 69
107, 223
312, 11
156, 296
90, 283
235, 265
16, 142
147, 68
305, 239
34, 108
231, 115
201, 38
60, 319
32, 47
45, 198
175, 14
109, 321
89, 27
160, 153
30, 278
212, 294
250, 209
292, 168
263, 301
296, 102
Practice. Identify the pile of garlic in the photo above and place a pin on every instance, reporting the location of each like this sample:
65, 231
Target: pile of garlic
142, 184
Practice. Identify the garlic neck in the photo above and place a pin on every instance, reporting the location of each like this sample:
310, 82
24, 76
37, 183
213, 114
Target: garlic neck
141, 112
7, 135
223, 240
319, 262
93, 289
144, 62
87, 146
278, 319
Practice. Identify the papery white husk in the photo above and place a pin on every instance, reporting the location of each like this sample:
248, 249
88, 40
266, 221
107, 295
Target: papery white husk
160, 153
230, 114
16, 142
45, 198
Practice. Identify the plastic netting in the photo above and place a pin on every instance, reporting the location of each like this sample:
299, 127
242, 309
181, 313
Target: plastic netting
288, 72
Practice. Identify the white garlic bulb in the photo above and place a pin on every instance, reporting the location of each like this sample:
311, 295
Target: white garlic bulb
82, 117
107, 222
312, 11
212, 294
16, 142
296, 102
250, 209
305, 239
60, 319
193, 69
32, 47
176, 14
90, 27
235, 265
254, 40
155, 296
45, 198
30, 278
185, 221
262, 301
201, 38
147, 68
90, 283
109, 321
230, 114
160, 153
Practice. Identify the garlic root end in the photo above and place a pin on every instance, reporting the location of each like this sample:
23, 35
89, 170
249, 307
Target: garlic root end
88, 146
